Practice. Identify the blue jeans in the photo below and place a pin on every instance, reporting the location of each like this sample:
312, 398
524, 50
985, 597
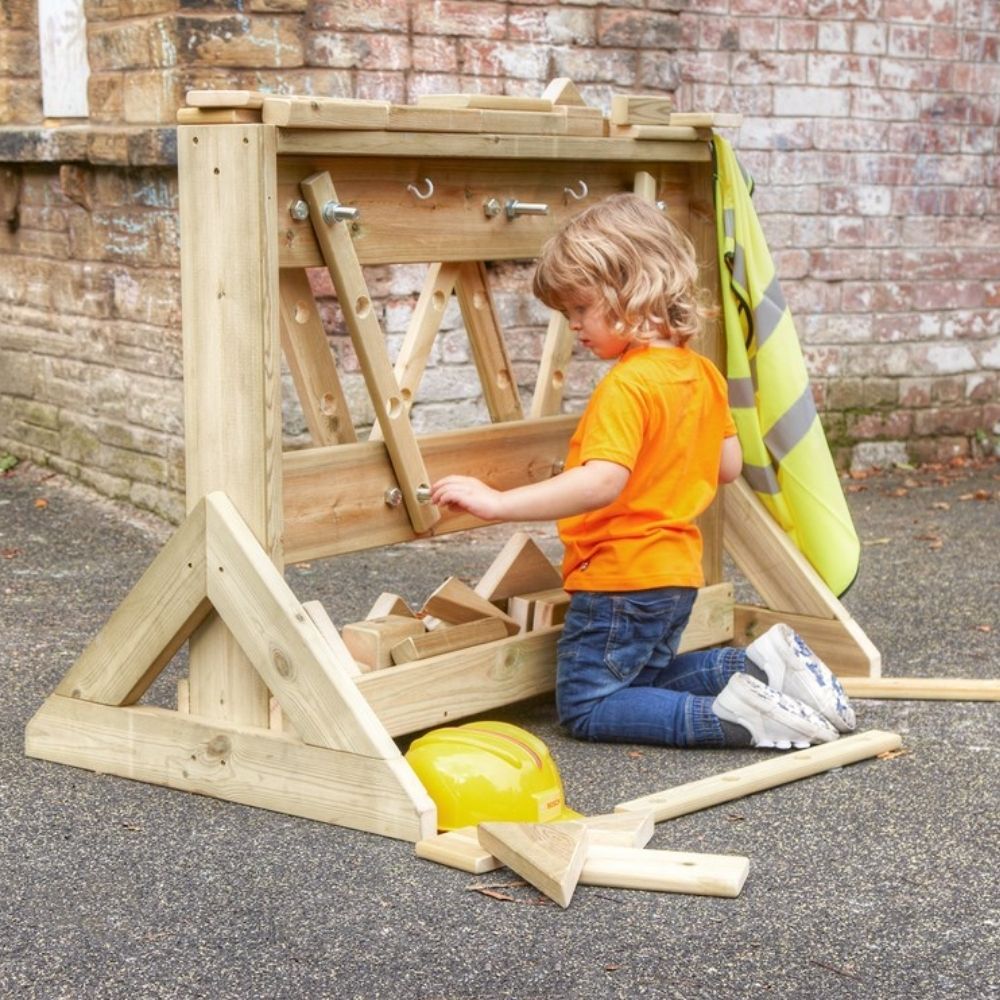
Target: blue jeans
620, 680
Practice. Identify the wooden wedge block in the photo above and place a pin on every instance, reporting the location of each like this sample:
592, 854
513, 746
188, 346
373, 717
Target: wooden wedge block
665, 871
390, 604
404, 117
706, 119
319, 617
449, 640
641, 109
487, 102
456, 602
371, 640
922, 688
725, 787
224, 98
563, 91
520, 567
217, 116
548, 855
461, 848
325, 112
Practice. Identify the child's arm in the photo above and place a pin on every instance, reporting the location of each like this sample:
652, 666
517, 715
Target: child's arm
731, 463
586, 487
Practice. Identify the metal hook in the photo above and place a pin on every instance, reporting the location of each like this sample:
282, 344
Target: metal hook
416, 192
584, 191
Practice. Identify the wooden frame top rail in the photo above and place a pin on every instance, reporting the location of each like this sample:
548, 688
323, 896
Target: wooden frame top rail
399, 225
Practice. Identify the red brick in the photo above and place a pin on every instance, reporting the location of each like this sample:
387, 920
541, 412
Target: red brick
552, 25
871, 426
908, 40
378, 85
242, 41
764, 67
459, 17
870, 38
718, 33
436, 54
944, 43
829, 70
592, 65
482, 57
797, 35
360, 15
637, 29
357, 50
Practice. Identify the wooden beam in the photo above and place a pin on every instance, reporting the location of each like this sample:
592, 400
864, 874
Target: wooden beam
449, 640
252, 766
923, 688
217, 116
641, 109
696, 795
666, 871
548, 855
706, 119
369, 344
370, 641
149, 626
325, 113
342, 655
487, 102
224, 98
550, 381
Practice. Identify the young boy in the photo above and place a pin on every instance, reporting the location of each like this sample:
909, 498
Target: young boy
652, 446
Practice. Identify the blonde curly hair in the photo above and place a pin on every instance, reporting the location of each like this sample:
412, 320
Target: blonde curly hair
634, 259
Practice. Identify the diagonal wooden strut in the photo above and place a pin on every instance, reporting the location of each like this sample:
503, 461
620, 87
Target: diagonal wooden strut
341, 259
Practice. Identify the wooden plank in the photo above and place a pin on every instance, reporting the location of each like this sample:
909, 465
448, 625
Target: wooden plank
335, 497
923, 688
369, 641
666, 871
520, 566
217, 116
493, 102
449, 640
706, 119
830, 639
659, 133
550, 381
232, 383
316, 142
433, 119
496, 373
144, 632
325, 112
548, 855
641, 109
725, 787
528, 123
438, 690
298, 665
369, 345
252, 766
342, 655
456, 602
423, 327
781, 575
645, 185
224, 98
310, 361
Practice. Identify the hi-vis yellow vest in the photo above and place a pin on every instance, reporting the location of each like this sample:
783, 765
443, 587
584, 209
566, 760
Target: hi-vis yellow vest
786, 459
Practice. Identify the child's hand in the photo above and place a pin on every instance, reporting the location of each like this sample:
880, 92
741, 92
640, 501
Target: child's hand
468, 494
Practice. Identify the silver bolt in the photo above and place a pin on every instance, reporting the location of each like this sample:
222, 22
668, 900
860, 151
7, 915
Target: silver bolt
516, 208
335, 212
423, 493
299, 210
491, 208
393, 496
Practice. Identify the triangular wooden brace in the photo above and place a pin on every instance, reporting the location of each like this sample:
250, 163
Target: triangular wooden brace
548, 855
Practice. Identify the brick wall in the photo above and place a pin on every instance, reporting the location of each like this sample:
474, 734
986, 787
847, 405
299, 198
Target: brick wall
870, 128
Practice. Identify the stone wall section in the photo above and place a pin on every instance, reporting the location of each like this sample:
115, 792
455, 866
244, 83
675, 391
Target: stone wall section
870, 129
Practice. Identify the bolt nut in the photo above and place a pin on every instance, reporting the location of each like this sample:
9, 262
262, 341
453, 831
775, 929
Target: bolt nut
299, 210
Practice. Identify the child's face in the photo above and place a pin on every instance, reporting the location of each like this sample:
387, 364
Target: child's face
588, 320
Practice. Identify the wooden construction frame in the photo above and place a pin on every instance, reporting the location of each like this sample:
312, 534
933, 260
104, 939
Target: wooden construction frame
275, 713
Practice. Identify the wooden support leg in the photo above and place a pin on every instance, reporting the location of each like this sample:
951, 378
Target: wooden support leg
310, 361
551, 380
488, 348
359, 313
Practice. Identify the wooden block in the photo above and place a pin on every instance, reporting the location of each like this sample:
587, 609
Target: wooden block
217, 116
325, 112
371, 640
550, 609
590, 125
390, 604
316, 612
608, 830
520, 567
695, 795
225, 98
489, 102
405, 118
525, 122
706, 119
449, 640
549, 855
562, 91
641, 109
665, 871
456, 602
668, 133
922, 688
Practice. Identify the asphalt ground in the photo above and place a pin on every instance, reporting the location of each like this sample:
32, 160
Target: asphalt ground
876, 880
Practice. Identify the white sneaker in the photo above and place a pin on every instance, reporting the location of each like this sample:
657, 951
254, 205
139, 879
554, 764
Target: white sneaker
794, 669
773, 719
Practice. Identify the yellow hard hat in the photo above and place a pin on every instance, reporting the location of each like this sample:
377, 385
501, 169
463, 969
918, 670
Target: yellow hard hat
488, 771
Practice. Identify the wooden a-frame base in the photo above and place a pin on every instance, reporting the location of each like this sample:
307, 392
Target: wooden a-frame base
342, 767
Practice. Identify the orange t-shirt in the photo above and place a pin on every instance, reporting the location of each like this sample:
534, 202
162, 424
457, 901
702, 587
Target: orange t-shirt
662, 412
